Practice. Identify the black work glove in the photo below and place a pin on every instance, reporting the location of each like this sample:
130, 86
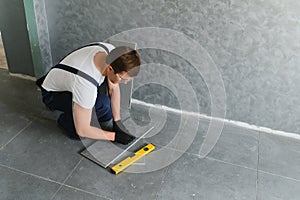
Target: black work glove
122, 134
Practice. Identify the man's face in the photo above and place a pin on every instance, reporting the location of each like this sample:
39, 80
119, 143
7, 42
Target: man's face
121, 77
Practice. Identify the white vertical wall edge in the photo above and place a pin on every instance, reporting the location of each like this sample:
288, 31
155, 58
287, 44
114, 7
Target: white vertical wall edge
5, 66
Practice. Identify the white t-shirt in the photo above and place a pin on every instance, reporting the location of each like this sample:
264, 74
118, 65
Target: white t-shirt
84, 92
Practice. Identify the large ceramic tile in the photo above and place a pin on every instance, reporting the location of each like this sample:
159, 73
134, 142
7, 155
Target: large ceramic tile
104, 153
279, 155
194, 148
272, 187
165, 123
93, 178
16, 185
20, 95
43, 150
11, 124
69, 193
193, 178
237, 145
172, 130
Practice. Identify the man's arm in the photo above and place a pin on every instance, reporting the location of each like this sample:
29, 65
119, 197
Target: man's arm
115, 98
82, 120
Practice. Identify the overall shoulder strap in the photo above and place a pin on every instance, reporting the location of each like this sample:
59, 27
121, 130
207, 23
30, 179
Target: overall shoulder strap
78, 72
98, 44
88, 45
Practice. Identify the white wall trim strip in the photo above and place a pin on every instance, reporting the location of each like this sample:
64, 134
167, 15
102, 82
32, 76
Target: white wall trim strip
226, 121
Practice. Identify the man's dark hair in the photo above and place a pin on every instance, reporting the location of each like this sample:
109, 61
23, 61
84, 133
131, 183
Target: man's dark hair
126, 59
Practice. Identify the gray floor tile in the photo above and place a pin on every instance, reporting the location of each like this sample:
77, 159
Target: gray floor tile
11, 124
16, 185
194, 178
165, 124
277, 188
198, 140
124, 113
43, 150
237, 146
20, 95
170, 129
68, 193
104, 152
279, 155
90, 177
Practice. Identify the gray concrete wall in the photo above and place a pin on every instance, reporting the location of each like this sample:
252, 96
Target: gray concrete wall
15, 37
255, 45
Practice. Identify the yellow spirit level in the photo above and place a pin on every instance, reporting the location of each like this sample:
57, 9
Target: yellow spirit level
129, 160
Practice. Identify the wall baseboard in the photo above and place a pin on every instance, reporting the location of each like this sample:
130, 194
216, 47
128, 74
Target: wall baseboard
23, 76
226, 121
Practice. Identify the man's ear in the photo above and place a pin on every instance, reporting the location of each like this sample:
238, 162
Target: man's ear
110, 68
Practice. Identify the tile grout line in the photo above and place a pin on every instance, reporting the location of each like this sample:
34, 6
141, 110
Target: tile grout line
253, 169
34, 175
91, 193
63, 183
161, 183
52, 181
257, 165
3, 146
228, 163
285, 177
270, 173
211, 158
79, 189
164, 176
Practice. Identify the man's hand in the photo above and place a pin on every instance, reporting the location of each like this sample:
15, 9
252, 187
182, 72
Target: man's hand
122, 134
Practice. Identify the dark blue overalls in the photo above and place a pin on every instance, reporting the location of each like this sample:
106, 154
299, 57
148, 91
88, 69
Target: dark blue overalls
62, 100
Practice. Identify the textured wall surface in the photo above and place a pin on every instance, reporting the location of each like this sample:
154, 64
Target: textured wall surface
43, 33
255, 45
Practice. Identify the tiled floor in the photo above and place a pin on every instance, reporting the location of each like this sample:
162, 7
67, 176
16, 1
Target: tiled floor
37, 161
